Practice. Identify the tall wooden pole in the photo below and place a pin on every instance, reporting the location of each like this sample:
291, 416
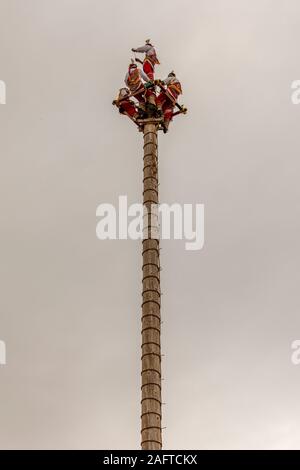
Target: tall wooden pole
151, 434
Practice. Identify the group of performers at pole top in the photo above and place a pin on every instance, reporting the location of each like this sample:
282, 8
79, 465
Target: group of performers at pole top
138, 99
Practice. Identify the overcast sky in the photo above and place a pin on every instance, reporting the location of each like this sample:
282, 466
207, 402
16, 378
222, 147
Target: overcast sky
70, 304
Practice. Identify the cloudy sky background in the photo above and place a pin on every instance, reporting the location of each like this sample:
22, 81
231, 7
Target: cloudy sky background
70, 304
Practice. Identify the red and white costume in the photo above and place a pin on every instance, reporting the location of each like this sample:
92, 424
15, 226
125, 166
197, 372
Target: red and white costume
167, 99
150, 59
134, 80
125, 105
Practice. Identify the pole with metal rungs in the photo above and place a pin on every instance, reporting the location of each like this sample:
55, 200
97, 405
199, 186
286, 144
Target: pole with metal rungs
150, 116
151, 431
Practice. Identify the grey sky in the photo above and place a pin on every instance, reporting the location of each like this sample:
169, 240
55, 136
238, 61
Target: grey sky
70, 304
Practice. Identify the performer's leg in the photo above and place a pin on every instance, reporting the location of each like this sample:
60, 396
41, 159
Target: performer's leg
141, 99
148, 69
168, 114
150, 97
129, 108
160, 100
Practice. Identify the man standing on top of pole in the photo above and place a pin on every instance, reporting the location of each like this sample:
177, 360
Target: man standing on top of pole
150, 59
149, 63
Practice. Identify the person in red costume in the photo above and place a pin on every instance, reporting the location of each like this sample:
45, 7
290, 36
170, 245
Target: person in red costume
134, 80
150, 59
167, 99
149, 63
125, 105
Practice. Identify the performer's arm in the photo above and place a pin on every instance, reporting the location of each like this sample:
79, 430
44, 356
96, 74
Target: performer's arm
145, 48
167, 81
